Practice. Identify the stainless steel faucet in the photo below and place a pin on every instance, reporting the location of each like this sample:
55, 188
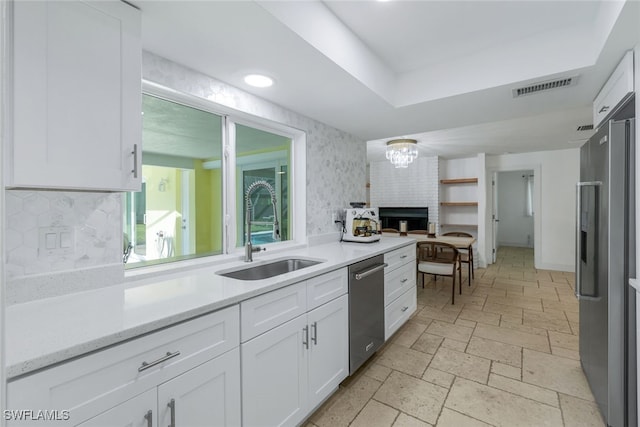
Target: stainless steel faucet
248, 247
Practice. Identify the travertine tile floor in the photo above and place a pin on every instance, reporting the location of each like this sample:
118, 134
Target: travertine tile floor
506, 354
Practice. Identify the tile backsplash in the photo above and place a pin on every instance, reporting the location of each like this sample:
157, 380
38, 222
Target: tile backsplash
95, 219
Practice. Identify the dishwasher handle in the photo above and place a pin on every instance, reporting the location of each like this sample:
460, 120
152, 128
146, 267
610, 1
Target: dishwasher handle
370, 271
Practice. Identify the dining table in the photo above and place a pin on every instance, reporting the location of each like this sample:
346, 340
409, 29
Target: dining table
458, 242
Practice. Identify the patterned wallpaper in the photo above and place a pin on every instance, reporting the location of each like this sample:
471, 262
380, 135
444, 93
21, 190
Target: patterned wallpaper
336, 175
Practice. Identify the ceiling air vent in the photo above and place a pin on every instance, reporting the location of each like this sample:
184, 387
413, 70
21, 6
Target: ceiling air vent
584, 127
544, 86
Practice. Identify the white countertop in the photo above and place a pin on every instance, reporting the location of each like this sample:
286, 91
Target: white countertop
43, 332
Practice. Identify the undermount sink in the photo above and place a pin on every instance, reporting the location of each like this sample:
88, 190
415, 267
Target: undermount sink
269, 269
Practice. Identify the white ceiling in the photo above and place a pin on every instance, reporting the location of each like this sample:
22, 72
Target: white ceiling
439, 71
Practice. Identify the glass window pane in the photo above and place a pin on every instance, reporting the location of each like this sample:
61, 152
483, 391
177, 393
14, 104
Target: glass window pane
262, 156
178, 213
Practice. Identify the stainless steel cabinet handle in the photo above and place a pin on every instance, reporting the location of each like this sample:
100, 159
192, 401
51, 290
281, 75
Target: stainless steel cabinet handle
305, 341
403, 280
403, 256
404, 309
314, 333
134, 171
172, 406
603, 109
149, 417
146, 365
369, 272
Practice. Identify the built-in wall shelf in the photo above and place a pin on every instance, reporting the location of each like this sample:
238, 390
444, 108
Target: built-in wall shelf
457, 208
458, 203
459, 181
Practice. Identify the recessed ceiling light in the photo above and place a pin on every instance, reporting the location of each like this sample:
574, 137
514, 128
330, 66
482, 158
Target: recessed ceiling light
258, 80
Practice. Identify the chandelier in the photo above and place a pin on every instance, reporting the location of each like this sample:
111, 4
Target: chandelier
401, 152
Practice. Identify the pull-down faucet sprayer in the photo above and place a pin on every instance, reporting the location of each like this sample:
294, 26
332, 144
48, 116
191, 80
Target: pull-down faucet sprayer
248, 247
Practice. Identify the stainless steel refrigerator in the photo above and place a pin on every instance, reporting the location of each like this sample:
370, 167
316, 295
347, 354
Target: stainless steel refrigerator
605, 259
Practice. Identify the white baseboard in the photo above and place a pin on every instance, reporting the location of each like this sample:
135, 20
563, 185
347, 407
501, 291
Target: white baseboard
514, 245
557, 267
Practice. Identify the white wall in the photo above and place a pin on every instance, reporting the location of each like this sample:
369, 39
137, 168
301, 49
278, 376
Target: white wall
555, 175
515, 227
416, 185
3, 106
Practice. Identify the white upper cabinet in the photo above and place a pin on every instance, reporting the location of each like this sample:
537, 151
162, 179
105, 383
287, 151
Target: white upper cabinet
619, 85
76, 96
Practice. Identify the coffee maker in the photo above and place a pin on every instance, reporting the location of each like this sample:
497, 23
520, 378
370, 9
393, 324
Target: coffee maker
361, 225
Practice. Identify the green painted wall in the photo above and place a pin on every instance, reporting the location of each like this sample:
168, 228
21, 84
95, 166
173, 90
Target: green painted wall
208, 218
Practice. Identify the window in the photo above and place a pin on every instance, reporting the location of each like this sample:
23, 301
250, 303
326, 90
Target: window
189, 188
262, 156
528, 194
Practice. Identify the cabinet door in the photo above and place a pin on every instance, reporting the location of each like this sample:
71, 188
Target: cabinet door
208, 395
76, 96
329, 348
139, 411
274, 376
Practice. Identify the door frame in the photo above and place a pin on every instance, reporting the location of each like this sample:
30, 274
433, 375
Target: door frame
495, 219
537, 205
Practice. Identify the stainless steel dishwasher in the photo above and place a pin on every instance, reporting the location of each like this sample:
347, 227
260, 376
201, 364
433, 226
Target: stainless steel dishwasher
366, 310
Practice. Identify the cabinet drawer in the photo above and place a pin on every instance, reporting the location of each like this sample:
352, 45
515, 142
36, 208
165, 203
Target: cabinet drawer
267, 311
615, 89
118, 373
397, 257
399, 311
399, 281
324, 288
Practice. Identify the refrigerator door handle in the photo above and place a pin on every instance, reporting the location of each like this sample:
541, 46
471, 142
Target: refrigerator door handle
579, 186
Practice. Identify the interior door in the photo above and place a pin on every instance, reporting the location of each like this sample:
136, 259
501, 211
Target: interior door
494, 215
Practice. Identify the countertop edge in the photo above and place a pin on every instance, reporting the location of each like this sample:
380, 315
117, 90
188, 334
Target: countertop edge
28, 366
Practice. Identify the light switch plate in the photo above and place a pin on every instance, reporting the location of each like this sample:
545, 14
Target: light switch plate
55, 241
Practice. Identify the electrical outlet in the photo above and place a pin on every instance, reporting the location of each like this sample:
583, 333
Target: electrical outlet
337, 215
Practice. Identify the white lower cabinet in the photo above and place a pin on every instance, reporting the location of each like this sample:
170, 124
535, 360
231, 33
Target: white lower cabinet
400, 297
208, 395
196, 363
274, 376
328, 349
135, 412
289, 370
398, 312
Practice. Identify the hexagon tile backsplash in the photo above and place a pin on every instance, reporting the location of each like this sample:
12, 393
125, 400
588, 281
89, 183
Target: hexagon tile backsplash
95, 219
